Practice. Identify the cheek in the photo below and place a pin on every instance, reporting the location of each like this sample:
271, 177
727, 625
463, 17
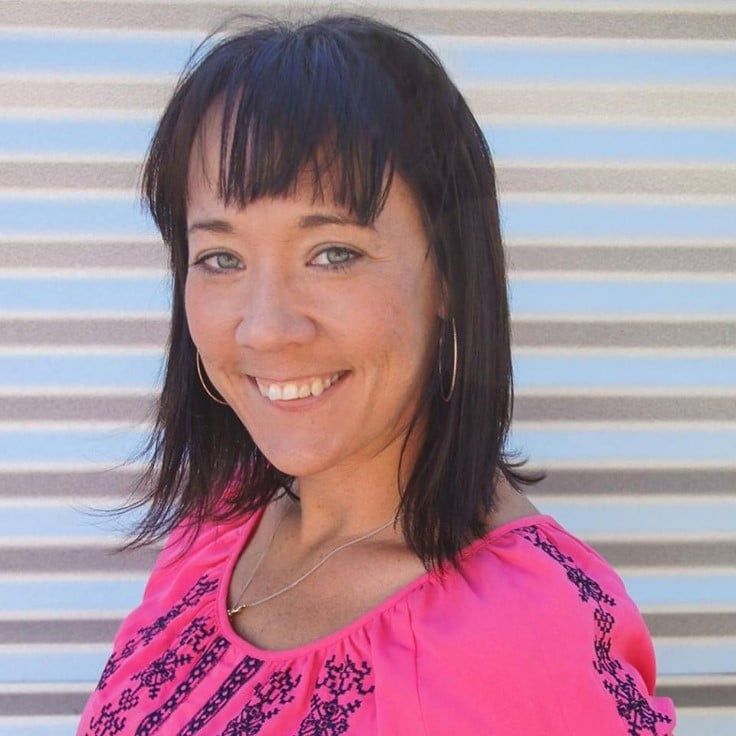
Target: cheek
204, 318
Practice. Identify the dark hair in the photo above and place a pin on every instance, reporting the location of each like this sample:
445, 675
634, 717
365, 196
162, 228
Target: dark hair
357, 100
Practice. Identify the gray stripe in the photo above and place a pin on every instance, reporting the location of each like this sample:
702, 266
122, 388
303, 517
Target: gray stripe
522, 256
609, 180
136, 409
695, 259
58, 631
665, 554
577, 102
131, 409
42, 704
78, 254
554, 178
624, 408
591, 481
710, 694
148, 332
63, 559
115, 484
600, 102
70, 174
148, 96
620, 334
691, 624
418, 16
706, 695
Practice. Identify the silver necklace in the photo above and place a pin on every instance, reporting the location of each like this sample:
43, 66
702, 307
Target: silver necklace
241, 606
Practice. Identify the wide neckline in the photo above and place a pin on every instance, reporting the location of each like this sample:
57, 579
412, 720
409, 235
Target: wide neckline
245, 535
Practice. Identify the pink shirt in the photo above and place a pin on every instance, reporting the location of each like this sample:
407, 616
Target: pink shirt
533, 635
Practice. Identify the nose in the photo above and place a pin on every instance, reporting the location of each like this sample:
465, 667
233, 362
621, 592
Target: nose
272, 314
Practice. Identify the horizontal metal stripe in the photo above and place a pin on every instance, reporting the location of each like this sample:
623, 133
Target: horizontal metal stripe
631, 481
115, 483
61, 445
80, 253
612, 180
701, 695
696, 258
501, 100
42, 704
566, 157
537, 371
32, 93
467, 58
531, 294
604, 103
512, 178
586, 408
37, 725
54, 631
420, 17
616, 519
703, 623
659, 555
91, 332
696, 656
70, 175
65, 215
618, 334
57, 559
134, 409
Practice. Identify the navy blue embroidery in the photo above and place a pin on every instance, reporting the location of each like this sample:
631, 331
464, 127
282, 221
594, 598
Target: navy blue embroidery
336, 698
201, 669
164, 670
147, 634
265, 703
631, 704
240, 675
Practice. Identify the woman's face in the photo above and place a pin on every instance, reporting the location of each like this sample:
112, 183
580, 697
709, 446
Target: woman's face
319, 333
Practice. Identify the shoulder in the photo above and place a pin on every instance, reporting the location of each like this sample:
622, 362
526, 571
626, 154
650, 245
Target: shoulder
543, 628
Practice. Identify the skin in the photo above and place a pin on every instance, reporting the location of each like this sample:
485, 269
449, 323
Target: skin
284, 290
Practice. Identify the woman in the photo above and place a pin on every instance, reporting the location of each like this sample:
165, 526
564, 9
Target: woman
349, 549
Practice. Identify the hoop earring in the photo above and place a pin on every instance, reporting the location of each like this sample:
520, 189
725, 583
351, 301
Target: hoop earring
447, 396
200, 373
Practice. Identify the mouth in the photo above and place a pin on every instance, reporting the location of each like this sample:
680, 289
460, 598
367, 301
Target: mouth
298, 388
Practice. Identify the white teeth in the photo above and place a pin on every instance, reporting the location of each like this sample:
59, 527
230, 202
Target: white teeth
292, 390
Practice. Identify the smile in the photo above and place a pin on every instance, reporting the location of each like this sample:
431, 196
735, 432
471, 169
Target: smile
301, 388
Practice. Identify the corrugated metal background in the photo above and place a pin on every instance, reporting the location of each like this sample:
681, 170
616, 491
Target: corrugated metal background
613, 129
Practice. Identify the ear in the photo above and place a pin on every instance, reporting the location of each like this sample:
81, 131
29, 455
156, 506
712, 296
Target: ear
443, 300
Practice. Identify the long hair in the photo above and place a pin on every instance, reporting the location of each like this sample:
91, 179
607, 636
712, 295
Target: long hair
357, 101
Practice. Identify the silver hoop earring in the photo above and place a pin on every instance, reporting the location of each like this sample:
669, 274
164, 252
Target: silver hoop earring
447, 396
200, 373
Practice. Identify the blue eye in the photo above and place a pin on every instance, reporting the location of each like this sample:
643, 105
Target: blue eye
336, 256
219, 262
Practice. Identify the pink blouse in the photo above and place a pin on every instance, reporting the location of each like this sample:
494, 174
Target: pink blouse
533, 635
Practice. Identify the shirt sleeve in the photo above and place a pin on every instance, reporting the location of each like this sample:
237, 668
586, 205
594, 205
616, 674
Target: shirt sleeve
546, 641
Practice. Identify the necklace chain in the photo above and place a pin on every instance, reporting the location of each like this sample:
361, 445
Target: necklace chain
240, 606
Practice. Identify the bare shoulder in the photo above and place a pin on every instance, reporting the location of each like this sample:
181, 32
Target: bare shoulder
510, 506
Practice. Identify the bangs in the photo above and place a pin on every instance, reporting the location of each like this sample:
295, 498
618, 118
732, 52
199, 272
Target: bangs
307, 108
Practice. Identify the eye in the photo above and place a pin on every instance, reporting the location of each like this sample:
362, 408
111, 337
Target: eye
335, 256
219, 262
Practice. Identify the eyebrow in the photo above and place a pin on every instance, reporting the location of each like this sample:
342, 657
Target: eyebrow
212, 226
320, 219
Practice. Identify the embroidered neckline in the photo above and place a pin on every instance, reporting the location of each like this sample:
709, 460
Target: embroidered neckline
361, 622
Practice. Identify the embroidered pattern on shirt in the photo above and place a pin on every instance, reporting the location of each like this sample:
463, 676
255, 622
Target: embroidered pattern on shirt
338, 694
240, 675
631, 704
147, 634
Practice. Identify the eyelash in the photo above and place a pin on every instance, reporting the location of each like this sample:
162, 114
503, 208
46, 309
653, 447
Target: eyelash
353, 257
